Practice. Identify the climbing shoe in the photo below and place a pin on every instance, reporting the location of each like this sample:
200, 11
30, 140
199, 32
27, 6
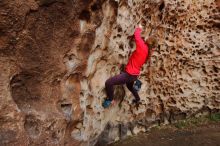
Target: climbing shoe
107, 103
135, 101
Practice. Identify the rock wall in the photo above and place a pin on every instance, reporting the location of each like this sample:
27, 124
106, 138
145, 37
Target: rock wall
55, 56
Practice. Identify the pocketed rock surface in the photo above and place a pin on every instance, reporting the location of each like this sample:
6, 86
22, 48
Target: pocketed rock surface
55, 56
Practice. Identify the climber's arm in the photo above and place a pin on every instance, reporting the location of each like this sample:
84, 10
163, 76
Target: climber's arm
137, 35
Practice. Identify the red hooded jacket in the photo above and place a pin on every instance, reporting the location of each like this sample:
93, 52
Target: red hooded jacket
139, 56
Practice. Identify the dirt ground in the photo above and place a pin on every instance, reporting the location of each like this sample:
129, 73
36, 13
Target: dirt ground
203, 135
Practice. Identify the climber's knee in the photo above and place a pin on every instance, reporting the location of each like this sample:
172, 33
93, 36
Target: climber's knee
108, 83
130, 86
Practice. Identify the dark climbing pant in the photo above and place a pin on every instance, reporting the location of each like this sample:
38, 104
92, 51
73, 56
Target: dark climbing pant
123, 78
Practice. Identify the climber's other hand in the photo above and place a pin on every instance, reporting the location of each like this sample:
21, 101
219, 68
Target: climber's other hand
140, 26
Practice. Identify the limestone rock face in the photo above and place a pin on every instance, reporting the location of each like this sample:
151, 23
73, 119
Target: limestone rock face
55, 56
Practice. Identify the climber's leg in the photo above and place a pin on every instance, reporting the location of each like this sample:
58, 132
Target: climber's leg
116, 80
133, 91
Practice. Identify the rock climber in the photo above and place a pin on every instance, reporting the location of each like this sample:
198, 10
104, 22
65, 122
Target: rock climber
142, 53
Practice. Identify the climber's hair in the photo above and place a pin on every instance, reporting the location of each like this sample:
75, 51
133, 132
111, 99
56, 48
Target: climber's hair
151, 42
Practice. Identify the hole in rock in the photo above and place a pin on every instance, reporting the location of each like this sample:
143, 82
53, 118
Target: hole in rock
160, 16
81, 94
143, 23
121, 56
158, 48
216, 88
84, 15
214, 11
162, 5
217, 25
216, 80
121, 47
211, 45
118, 35
172, 101
24, 89
119, 29
205, 6
67, 109
204, 71
95, 7
215, 69
71, 57
179, 53
155, 91
180, 90
199, 27
97, 47
89, 107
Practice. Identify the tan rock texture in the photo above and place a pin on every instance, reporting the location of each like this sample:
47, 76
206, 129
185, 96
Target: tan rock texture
55, 56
